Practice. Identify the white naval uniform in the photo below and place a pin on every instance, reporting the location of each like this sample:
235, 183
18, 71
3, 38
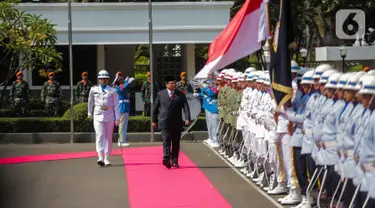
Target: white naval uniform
286, 168
367, 156
104, 107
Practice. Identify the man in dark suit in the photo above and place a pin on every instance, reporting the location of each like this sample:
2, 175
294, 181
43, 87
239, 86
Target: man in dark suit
167, 116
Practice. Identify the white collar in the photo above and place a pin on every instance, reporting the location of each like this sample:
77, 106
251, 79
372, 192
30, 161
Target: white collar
169, 91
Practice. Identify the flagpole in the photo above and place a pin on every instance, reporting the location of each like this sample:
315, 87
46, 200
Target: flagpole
151, 62
270, 42
71, 71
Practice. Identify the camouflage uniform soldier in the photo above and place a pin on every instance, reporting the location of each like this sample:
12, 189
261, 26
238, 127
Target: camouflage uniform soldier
183, 85
83, 89
19, 95
146, 94
51, 95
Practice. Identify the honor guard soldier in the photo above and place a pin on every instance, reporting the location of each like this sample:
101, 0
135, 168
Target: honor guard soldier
51, 95
146, 94
328, 146
183, 85
346, 137
364, 146
104, 108
297, 115
209, 93
19, 95
367, 143
121, 85
83, 88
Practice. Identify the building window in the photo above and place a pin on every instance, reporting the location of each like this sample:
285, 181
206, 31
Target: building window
84, 59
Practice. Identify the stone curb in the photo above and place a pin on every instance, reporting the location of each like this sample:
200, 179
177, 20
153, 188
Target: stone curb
85, 137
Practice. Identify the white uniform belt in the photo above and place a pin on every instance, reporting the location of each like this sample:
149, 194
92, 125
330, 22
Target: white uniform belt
329, 144
308, 131
104, 107
349, 153
369, 167
124, 101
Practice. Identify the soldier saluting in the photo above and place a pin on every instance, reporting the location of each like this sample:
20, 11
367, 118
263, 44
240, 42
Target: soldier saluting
51, 95
19, 95
83, 88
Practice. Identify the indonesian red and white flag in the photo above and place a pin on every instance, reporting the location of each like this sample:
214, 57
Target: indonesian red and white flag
242, 37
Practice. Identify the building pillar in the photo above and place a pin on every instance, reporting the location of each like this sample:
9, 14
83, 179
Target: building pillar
120, 58
189, 60
100, 57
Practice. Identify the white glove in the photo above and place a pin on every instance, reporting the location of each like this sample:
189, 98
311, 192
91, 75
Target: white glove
131, 79
126, 79
117, 122
195, 94
89, 116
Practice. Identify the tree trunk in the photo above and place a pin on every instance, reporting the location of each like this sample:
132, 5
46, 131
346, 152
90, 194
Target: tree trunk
9, 76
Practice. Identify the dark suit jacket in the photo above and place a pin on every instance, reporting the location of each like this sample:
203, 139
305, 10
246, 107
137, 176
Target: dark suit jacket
168, 114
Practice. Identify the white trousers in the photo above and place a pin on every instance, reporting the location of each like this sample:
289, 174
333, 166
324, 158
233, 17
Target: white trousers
103, 133
286, 173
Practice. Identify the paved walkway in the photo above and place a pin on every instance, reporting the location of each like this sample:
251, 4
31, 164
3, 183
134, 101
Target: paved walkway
81, 183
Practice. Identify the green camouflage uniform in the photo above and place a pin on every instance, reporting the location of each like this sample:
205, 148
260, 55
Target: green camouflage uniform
184, 87
221, 102
146, 96
236, 102
82, 91
228, 106
19, 97
51, 96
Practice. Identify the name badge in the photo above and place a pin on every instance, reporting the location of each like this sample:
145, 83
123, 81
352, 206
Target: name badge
104, 108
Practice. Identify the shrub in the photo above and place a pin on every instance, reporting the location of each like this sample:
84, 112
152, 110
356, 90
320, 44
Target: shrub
80, 112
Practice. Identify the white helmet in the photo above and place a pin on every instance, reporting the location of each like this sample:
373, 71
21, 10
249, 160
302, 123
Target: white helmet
368, 86
343, 80
235, 77
371, 72
301, 72
103, 74
242, 77
308, 77
255, 75
352, 82
361, 73
250, 69
294, 66
333, 80
360, 82
318, 72
325, 76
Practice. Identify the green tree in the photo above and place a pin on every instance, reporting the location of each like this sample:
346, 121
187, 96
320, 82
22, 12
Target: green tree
27, 42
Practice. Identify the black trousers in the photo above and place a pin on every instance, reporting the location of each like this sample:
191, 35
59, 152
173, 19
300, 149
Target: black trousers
171, 140
331, 182
348, 193
147, 109
304, 166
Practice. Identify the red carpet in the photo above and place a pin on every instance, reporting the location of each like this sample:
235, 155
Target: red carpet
150, 184
51, 157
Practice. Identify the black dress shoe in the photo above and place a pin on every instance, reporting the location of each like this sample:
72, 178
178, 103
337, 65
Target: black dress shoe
175, 165
167, 163
100, 163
